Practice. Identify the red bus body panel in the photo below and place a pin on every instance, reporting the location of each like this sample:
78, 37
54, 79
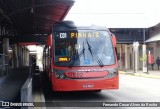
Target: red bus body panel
77, 84
97, 81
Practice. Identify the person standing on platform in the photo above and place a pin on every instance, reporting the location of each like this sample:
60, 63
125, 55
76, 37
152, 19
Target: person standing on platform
151, 61
158, 62
10, 63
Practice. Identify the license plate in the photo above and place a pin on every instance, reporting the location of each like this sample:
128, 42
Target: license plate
88, 85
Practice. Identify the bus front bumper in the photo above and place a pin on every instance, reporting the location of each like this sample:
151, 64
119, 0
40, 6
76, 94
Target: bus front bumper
85, 84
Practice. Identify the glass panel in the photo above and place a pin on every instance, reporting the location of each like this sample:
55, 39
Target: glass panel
83, 48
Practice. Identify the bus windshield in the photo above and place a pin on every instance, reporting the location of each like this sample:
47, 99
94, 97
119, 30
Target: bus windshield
83, 48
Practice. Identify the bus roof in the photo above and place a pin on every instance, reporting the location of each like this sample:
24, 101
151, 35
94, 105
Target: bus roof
70, 25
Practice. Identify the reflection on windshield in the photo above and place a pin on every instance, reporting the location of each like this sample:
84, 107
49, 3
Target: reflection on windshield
72, 50
94, 54
79, 55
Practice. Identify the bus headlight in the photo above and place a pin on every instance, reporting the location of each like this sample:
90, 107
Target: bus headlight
62, 76
56, 75
59, 76
112, 73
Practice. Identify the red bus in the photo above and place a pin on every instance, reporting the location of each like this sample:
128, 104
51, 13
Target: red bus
81, 58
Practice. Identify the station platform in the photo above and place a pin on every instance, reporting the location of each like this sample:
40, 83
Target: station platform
11, 84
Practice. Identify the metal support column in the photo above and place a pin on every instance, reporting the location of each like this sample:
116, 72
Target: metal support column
15, 56
144, 53
19, 56
6, 53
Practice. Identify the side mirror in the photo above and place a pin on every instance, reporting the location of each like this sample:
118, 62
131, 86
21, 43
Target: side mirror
114, 41
49, 40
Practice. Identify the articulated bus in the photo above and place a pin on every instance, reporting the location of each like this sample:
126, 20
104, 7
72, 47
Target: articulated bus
81, 58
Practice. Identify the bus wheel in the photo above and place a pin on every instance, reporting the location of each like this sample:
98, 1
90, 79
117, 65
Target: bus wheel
97, 91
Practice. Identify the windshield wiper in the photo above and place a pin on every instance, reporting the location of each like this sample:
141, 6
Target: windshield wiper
79, 55
99, 61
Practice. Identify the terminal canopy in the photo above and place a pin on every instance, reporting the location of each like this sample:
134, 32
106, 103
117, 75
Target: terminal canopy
155, 38
33, 16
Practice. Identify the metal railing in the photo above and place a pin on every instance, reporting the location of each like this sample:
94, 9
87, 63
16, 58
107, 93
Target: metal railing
4, 65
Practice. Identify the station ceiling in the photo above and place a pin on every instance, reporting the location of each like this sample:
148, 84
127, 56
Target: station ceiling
33, 16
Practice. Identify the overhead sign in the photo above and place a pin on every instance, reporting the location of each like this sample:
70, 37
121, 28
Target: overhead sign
64, 35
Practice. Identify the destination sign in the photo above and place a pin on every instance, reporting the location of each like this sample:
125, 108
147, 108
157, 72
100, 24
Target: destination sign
63, 59
84, 34
64, 35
